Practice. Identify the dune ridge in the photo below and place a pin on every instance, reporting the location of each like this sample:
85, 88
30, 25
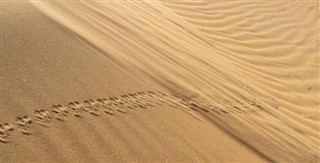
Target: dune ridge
234, 55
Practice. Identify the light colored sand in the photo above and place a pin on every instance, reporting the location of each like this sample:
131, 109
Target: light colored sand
256, 63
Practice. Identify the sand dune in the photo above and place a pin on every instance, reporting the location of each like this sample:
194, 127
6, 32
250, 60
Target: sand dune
204, 80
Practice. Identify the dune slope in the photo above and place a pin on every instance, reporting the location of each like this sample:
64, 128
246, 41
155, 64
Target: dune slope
239, 81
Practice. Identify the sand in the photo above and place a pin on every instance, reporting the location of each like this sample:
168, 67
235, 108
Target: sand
160, 81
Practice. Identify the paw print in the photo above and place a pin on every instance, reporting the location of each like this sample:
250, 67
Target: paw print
90, 105
105, 106
59, 112
256, 103
116, 103
42, 117
5, 130
76, 108
23, 124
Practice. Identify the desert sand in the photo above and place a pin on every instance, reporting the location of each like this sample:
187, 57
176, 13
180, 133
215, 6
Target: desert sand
160, 81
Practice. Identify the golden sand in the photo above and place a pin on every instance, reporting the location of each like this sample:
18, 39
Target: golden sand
160, 81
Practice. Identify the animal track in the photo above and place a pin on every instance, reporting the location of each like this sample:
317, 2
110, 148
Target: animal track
23, 124
76, 108
5, 130
132, 101
105, 106
92, 107
59, 112
42, 117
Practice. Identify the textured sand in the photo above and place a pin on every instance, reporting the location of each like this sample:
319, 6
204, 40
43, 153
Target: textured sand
164, 81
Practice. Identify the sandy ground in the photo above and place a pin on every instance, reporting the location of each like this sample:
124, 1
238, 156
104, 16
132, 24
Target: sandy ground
160, 81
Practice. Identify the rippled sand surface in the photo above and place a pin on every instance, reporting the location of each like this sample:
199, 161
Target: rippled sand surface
160, 81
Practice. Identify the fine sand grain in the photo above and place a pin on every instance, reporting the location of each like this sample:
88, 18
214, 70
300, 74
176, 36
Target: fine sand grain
160, 81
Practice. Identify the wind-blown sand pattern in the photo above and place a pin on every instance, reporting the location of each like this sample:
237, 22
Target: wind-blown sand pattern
160, 80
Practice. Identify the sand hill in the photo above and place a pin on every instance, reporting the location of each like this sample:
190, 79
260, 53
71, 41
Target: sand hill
160, 81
